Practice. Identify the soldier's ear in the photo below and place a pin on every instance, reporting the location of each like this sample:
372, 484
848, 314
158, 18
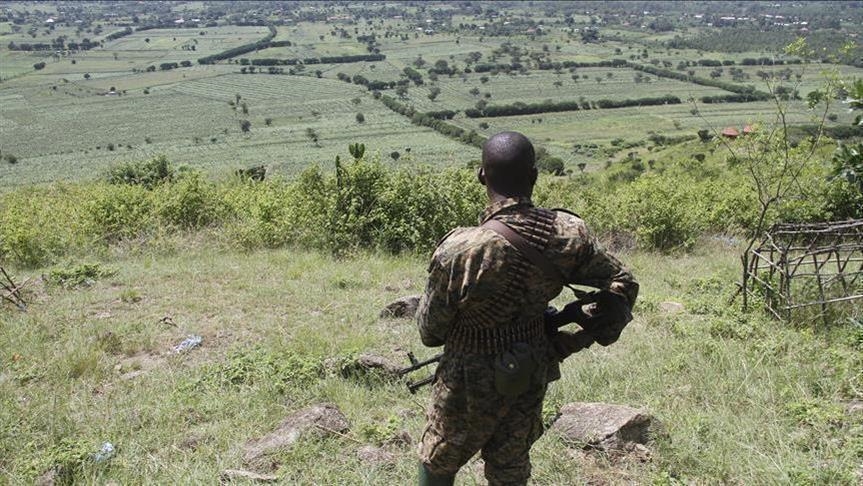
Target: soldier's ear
480, 175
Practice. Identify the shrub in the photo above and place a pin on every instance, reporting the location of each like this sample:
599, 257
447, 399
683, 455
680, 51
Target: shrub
188, 203
148, 173
82, 275
550, 165
118, 212
39, 224
664, 212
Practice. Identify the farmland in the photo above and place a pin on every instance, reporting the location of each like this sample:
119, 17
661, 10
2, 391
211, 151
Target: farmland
191, 121
63, 120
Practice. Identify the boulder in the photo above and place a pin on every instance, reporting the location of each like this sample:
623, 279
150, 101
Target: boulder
321, 420
403, 307
376, 456
230, 475
371, 364
604, 426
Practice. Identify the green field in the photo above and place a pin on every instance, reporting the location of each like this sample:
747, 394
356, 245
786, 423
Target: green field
59, 121
192, 123
636, 123
593, 84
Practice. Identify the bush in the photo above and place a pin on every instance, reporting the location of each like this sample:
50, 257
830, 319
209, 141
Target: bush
148, 173
118, 212
40, 224
550, 165
189, 203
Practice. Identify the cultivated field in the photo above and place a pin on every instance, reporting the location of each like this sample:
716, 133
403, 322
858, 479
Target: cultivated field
64, 122
191, 122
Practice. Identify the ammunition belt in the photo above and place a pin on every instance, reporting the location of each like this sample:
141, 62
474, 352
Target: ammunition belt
493, 340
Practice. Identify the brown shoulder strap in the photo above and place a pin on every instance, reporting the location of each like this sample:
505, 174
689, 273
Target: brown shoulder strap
525, 248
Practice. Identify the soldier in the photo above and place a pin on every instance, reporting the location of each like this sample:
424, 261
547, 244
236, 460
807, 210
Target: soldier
485, 301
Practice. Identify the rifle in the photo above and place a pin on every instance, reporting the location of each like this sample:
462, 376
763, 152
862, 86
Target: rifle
413, 386
554, 319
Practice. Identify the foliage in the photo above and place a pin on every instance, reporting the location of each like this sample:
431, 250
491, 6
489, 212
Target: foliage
147, 173
258, 366
519, 108
848, 163
82, 275
190, 203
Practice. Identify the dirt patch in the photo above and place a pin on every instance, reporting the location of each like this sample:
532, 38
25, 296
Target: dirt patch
138, 364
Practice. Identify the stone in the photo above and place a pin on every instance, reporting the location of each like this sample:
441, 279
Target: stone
376, 456
376, 363
229, 475
854, 407
321, 420
405, 307
671, 307
604, 426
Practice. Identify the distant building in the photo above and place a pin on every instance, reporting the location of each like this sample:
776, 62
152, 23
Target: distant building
730, 132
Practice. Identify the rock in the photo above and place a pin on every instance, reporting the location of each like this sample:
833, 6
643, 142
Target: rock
322, 420
229, 475
367, 363
671, 307
403, 307
376, 456
603, 426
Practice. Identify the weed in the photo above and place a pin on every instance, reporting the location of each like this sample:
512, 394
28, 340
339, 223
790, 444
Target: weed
81, 275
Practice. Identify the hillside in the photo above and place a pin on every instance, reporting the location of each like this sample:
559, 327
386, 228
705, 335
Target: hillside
742, 398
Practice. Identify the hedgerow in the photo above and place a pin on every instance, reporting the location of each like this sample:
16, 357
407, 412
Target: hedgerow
364, 205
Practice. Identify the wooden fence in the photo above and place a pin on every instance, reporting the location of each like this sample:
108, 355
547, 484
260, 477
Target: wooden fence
813, 266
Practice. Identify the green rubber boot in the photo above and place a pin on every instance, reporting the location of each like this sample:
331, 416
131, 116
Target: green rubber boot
429, 479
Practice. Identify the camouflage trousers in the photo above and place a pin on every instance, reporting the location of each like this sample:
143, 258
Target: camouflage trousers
467, 416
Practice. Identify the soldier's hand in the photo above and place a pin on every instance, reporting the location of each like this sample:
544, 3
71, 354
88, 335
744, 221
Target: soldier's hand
566, 343
607, 317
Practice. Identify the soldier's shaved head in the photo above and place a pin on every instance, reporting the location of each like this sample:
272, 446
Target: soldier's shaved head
509, 164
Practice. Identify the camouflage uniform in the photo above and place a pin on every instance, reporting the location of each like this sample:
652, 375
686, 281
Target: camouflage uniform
483, 295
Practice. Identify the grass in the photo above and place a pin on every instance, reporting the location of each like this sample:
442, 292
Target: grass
742, 399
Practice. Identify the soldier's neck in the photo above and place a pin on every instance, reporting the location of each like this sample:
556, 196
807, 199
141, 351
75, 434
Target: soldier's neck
496, 197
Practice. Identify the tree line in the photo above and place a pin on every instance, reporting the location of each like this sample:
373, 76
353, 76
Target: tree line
519, 108
243, 49
313, 60
435, 121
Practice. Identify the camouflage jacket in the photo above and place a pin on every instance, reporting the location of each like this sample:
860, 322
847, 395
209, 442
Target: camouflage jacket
478, 279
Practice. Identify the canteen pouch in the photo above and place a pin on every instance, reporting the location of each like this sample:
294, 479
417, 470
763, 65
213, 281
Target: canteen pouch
514, 370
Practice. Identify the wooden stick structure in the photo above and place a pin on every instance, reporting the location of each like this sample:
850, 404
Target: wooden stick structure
807, 266
11, 292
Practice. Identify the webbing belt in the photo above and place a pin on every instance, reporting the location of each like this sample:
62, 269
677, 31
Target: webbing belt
494, 340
